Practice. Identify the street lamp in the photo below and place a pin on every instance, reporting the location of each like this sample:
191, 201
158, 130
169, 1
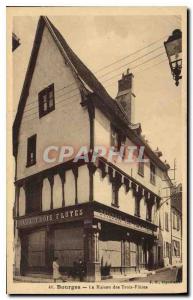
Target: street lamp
173, 48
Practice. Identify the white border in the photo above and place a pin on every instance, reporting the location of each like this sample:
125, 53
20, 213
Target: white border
3, 5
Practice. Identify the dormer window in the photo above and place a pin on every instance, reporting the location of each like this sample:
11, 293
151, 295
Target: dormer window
46, 100
117, 139
114, 138
31, 150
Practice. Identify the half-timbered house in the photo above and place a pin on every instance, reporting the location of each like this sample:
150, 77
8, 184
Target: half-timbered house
104, 212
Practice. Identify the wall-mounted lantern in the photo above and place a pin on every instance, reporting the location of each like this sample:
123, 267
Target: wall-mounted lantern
173, 48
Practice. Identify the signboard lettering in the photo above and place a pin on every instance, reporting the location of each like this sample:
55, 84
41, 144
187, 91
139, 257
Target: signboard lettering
50, 218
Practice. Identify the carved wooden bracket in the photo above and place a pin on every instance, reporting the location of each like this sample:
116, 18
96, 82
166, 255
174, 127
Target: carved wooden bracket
127, 184
62, 175
92, 168
112, 174
102, 167
51, 180
75, 171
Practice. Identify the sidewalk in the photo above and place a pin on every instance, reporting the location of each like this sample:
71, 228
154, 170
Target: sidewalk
118, 278
145, 275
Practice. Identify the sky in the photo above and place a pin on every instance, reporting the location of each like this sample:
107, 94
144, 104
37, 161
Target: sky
102, 40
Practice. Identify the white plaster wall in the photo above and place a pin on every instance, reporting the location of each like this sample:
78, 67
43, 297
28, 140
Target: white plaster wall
102, 189
69, 189
126, 201
46, 195
131, 206
131, 168
57, 192
102, 129
83, 184
22, 202
123, 199
68, 124
103, 137
165, 234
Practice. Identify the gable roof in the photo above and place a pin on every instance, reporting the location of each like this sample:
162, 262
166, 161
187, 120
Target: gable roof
85, 76
76, 64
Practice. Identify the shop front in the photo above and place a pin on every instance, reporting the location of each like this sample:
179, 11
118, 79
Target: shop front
40, 246
107, 240
124, 251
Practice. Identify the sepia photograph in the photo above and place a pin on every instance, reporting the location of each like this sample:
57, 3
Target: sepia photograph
97, 142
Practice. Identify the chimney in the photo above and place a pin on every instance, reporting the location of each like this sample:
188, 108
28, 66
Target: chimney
125, 96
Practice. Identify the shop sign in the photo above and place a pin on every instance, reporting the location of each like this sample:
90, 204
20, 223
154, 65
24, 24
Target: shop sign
123, 221
53, 217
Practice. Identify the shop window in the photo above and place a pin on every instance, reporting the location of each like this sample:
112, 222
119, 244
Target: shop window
133, 254
31, 150
46, 100
152, 173
33, 197
36, 249
68, 249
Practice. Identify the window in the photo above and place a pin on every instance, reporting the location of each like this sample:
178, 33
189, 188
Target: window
167, 253
149, 212
166, 222
117, 138
152, 173
141, 168
137, 207
176, 248
46, 101
31, 150
174, 221
33, 196
115, 200
114, 138
178, 222
140, 165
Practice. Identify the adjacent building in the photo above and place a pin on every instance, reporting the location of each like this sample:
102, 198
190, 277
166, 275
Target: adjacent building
176, 226
111, 214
